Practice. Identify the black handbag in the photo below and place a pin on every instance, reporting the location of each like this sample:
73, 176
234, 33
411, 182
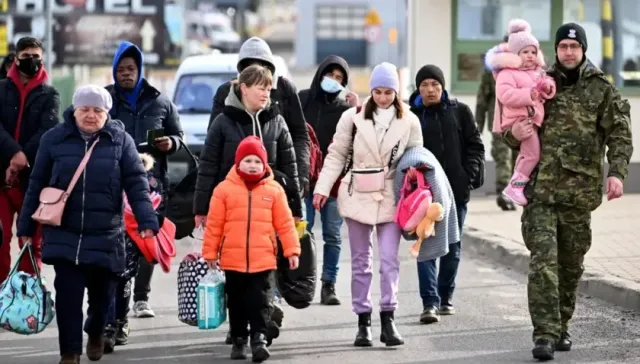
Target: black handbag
180, 200
298, 287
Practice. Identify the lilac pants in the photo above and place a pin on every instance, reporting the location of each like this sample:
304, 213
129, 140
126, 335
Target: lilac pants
360, 240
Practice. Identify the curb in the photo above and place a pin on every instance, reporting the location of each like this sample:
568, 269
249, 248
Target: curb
509, 253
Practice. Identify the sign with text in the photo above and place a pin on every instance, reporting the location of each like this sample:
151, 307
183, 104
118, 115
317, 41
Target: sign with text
88, 31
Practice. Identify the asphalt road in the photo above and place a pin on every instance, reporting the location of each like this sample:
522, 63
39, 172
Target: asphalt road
492, 326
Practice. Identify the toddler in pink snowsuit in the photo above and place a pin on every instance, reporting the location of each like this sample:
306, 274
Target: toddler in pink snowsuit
522, 87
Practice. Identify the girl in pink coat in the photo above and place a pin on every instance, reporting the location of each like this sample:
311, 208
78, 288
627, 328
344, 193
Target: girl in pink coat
522, 87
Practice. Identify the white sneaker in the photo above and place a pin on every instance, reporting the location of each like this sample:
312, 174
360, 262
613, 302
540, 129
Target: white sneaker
141, 309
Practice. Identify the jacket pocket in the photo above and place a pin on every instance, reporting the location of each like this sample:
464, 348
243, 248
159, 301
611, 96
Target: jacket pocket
580, 182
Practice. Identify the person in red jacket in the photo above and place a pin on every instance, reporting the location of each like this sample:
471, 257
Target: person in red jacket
246, 211
28, 109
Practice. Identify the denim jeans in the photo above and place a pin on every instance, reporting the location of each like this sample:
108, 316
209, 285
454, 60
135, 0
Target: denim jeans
437, 288
331, 225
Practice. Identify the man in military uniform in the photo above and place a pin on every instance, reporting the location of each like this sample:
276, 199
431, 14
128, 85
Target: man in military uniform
503, 157
586, 116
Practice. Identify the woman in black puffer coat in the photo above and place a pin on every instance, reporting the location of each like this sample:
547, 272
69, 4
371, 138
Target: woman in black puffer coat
238, 120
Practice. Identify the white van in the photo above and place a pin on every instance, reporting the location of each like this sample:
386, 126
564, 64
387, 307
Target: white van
197, 81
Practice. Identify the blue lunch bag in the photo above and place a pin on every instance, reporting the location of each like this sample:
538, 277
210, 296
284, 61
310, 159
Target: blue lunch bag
26, 306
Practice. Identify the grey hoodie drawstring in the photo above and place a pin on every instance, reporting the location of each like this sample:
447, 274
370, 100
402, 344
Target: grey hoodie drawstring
255, 124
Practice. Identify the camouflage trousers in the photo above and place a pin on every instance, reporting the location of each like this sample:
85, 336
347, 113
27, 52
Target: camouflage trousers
558, 239
504, 157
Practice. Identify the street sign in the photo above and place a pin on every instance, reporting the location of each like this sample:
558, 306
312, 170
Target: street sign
88, 32
372, 33
393, 36
372, 19
147, 33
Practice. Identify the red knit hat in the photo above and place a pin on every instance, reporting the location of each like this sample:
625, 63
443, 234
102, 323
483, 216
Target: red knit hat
251, 145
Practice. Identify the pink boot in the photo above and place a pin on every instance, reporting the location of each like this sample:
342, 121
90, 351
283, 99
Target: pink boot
515, 189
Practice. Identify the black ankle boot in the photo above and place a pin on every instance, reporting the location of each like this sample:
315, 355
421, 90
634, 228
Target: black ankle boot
259, 351
389, 334
564, 343
239, 349
364, 337
328, 294
543, 350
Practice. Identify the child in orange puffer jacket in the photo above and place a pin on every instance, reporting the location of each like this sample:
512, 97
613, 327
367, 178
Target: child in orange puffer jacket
246, 211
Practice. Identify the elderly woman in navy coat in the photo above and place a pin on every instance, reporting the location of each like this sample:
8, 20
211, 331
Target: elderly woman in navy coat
87, 250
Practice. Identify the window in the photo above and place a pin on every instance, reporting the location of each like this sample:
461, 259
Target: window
488, 19
194, 93
340, 22
623, 61
478, 25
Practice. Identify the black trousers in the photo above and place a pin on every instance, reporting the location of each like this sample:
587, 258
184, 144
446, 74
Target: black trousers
70, 283
248, 301
142, 285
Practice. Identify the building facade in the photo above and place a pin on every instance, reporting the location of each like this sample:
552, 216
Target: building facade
364, 32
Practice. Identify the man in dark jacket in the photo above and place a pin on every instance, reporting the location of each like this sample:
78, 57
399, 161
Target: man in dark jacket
450, 133
28, 108
322, 109
142, 109
285, 98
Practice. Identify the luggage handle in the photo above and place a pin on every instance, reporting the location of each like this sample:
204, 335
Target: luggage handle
26, 247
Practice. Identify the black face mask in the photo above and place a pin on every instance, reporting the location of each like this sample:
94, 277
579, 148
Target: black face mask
29, 66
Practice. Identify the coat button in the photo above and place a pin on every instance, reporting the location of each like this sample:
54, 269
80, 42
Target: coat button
362, 165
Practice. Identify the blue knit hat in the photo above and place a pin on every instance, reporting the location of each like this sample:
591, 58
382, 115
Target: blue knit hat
385, 75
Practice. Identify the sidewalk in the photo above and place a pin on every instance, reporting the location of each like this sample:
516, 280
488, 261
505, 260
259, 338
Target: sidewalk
612, 266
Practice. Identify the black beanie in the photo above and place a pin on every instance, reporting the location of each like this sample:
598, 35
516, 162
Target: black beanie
430, 71
572, 31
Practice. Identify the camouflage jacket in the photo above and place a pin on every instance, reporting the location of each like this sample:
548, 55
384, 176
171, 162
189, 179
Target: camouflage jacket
581, 122
485, 101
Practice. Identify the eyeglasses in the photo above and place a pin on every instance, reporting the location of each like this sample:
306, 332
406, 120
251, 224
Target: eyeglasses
572, 46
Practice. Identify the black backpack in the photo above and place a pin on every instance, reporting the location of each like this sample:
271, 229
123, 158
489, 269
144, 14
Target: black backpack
179, 204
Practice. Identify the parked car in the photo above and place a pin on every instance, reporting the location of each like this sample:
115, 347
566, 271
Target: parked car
197, 81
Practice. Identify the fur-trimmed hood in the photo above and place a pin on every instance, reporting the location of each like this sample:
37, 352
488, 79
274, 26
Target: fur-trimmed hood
499, 57
147, 161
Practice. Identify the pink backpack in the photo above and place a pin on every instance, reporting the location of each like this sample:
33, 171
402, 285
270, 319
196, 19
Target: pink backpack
415, 198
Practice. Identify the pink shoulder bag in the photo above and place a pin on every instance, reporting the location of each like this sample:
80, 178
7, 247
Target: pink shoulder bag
53, 200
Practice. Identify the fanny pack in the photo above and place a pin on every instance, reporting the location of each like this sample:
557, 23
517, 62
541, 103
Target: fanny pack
367, 180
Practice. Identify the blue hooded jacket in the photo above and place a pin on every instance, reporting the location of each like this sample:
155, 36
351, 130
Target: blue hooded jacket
133, 50
144, 108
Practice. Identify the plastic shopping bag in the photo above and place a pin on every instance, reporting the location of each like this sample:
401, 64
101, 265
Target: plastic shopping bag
212, 308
